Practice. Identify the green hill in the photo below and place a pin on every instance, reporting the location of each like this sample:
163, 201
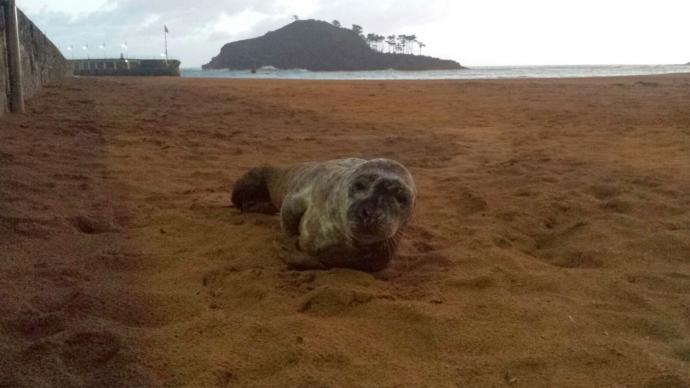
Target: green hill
317, 46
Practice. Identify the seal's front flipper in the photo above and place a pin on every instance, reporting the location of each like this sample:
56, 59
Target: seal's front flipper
251, 193
258, 207
294, 258
294, 206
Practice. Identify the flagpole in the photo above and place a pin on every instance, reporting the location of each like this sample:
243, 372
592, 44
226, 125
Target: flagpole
166, 43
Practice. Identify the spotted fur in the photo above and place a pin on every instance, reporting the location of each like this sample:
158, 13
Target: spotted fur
342, 213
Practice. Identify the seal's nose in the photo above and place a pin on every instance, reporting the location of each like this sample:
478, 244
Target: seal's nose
370, 214
367, 213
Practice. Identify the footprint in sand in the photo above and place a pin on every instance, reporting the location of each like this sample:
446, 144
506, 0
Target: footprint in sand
567, 248
31, 228
666, 381
33, 326
86, 350
617, 205
328, 300
604, 191
90, 225
467, 202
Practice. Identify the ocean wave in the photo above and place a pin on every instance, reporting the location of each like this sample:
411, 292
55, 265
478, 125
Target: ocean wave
487, 72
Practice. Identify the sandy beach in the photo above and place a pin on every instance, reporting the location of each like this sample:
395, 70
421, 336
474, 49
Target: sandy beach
550, 245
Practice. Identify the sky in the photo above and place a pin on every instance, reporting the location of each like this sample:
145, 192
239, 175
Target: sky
472, 32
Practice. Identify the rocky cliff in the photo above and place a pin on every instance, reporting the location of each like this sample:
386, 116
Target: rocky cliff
317, 46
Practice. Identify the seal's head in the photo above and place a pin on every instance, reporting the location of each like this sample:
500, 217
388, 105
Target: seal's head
381, 197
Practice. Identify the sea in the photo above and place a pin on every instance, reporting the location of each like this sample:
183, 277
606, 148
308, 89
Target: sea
481, 72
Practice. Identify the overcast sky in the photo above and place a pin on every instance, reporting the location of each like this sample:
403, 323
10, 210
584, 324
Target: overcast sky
473, 32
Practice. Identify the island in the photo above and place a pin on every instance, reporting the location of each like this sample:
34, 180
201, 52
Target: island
322, 46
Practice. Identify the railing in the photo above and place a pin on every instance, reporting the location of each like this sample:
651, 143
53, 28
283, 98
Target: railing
107, 58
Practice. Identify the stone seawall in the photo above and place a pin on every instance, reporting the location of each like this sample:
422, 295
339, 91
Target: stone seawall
41, 61
4, 68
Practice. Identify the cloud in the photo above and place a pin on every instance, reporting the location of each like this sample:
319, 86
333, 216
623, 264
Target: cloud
492, 32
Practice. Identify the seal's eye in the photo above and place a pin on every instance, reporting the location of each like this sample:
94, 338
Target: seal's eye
359, 186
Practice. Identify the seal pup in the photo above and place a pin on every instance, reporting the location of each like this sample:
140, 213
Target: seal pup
340, 213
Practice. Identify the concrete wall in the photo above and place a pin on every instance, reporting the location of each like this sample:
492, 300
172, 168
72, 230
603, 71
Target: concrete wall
4, 82
42, 62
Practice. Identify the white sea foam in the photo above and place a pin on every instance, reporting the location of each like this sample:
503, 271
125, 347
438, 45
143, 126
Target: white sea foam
474, 73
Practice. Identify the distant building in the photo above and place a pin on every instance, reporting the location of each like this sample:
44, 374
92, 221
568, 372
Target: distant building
124, 67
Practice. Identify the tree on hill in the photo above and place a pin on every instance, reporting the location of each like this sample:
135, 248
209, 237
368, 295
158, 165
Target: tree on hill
336, 23
421, 46
358, 30
398, 44
371, 40
413, 40
391, 43
295, 17
374, 41
379, 40
401, 46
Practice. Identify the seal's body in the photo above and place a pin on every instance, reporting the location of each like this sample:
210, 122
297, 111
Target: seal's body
343, 213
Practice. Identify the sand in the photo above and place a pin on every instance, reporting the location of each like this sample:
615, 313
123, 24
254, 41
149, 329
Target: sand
550, 246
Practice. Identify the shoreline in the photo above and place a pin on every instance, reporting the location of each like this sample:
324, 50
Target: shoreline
477, 73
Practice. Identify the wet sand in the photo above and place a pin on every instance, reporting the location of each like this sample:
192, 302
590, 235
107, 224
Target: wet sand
550, 246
